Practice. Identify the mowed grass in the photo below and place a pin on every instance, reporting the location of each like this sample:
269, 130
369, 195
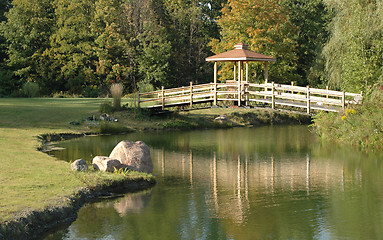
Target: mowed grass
29, 179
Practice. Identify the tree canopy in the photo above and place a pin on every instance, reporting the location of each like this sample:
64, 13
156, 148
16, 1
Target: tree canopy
83, 46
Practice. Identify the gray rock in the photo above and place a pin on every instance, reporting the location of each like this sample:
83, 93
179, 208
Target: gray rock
135, 155
79, 165
222, 119
106, 164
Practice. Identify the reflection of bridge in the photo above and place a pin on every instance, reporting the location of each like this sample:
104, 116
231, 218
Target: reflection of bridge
248, 94
236, 181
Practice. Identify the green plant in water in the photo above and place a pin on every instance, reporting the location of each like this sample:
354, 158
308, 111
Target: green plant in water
30, 89
116, 90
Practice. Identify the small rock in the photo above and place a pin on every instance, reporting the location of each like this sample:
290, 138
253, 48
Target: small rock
106, 164
79, 165
222, 118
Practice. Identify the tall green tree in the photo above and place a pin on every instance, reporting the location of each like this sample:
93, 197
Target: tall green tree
354, 53
27, 30
311, 17
73, 43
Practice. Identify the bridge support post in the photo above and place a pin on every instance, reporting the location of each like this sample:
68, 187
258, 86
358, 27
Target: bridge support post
191, 94
343, 100
163, 97
272, 96
308, 100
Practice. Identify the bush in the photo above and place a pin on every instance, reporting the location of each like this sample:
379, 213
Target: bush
90, 92
106, 107
30, 89
145, 87
361, 125
116, 90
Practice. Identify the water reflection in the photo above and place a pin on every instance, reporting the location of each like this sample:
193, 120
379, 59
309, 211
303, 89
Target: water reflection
268, 183
233, 181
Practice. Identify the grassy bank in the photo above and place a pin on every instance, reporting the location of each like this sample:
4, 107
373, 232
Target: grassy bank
31, 180
361, 126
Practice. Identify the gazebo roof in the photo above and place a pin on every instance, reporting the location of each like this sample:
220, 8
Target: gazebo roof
240, 53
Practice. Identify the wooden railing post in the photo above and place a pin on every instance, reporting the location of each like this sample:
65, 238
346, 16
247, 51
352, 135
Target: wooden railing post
272, 96
138, 99
327, 91
265, 88
163, 97
191, 94
308, 100
215, 94
239, 83
343, 100
292, 85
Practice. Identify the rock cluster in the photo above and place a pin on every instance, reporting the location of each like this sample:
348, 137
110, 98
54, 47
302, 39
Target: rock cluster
126, 155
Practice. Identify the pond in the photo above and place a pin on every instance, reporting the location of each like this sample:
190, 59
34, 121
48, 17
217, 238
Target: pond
272, 182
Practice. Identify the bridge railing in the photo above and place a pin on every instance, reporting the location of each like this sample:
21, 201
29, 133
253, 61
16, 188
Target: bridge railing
245, 93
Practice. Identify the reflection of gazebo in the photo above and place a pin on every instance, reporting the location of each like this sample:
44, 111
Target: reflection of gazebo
242, 56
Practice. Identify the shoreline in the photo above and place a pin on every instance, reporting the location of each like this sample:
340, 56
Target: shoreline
31, 224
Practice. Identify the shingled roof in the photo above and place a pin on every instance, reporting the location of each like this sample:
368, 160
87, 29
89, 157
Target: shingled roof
240, 53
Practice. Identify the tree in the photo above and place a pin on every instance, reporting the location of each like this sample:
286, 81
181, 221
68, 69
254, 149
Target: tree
311, 17
266, 27
27, 30
354, 53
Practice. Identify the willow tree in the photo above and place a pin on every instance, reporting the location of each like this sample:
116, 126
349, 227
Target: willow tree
354, 53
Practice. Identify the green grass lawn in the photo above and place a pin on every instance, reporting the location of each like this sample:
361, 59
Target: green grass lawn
29, 179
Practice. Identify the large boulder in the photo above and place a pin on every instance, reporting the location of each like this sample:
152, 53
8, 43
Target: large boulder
136, 155
106, 164
79, 165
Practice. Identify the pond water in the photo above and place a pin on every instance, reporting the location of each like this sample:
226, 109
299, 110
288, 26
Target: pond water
273, 182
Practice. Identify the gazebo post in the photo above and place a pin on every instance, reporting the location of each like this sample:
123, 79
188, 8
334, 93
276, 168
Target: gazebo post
239, 83
235, 74
247, 72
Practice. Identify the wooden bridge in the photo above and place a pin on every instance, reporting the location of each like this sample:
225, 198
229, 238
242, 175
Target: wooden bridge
241, 92
249, 94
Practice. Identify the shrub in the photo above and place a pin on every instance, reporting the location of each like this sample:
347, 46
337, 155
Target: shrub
30, 89
145, 87
90, 92
116, 90
361, 125
106, 107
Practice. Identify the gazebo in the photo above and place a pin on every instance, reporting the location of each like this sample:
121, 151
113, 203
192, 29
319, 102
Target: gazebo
241, 56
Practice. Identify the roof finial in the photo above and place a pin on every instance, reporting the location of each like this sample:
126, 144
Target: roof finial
241, 46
